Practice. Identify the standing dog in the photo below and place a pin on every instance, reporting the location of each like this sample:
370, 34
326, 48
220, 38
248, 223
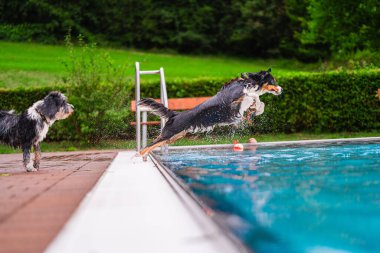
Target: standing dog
227, 107
29, 128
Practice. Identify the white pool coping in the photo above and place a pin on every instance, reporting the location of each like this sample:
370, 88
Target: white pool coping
133, 208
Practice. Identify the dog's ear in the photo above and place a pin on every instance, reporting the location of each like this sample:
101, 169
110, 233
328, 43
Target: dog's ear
244, 75
49, 107
255, 76
269, 70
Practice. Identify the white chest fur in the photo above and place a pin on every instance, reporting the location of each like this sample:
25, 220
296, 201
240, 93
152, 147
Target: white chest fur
34, 115
245, 104
43, 132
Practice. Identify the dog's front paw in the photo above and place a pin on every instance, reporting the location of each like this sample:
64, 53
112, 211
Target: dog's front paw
31, 168
260, 109
36, 165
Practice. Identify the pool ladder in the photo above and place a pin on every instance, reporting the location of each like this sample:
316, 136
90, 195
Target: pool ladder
141, 113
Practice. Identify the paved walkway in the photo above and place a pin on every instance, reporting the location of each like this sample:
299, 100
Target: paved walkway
35, 206
136, 207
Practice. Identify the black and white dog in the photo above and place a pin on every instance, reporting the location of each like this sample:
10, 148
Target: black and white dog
227, 107
29, 128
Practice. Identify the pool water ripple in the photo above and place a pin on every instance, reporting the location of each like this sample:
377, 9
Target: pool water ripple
317, 198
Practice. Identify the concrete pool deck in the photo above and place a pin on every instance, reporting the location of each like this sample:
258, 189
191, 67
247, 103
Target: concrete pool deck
99, 202
133, 208
35, 206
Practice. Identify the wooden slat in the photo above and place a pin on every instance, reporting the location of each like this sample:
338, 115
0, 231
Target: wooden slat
185, 103
378, 93
147, 123
178, 103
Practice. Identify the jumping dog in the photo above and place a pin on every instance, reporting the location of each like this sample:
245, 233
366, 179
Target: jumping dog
227, 107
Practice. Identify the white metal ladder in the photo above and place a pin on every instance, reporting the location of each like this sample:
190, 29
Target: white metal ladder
142, 135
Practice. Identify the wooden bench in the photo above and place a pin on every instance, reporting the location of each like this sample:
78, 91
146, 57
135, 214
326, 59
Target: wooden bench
177, 104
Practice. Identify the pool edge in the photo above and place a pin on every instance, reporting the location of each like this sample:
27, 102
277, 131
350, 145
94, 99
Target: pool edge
201, 212
282, 143
182, 189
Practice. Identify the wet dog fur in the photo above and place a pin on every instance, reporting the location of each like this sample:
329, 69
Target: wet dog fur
227, 107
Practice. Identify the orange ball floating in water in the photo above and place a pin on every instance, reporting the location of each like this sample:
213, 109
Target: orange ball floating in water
237, 146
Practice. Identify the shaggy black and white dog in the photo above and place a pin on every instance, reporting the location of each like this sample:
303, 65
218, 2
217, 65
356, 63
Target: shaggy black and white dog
29, 128
227, 107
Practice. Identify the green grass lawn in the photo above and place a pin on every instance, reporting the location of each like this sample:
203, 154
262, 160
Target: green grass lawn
28, 64
192, 140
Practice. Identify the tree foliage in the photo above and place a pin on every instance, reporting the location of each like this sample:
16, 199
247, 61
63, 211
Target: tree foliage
344, 25
307, 29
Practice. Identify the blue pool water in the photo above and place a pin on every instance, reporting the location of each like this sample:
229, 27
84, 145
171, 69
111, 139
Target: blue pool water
318, 198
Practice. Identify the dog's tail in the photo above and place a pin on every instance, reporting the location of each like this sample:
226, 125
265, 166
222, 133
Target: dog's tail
157, 108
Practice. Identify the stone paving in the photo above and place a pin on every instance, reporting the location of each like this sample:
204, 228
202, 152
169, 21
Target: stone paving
34, 206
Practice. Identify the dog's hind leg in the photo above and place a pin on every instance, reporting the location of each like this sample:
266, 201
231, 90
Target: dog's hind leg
159, 142
28, 163
177, 137
150, 148
37, 156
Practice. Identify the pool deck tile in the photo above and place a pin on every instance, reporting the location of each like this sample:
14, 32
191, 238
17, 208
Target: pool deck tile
35, 206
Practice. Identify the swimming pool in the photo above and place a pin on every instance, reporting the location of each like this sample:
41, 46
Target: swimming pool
289, 198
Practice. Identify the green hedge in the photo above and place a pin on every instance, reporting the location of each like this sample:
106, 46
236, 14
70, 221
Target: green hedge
330, 102
319, 102
316, 102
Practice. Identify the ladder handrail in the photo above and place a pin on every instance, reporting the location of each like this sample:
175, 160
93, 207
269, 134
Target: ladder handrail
164, 101
164, 97
137, 91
